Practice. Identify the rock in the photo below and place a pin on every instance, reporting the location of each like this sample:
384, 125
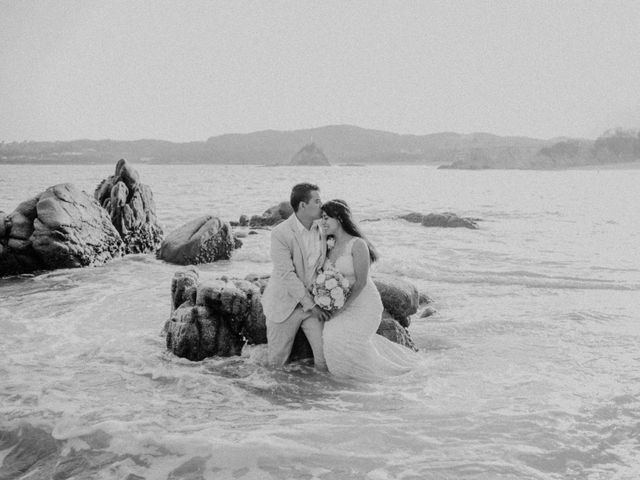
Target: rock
184, 287
62, 227
399, 297
424, 298
203, 240
217, 317
310, 154
243, 221
28, 208
27, 449
3, 227
132, 209
273, 215
447, 220
392, 330
412, 217
450, 220
427, 312
21, 226
224, 315
71, 230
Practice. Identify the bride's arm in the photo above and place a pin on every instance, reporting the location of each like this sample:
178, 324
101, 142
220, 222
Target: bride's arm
360, 254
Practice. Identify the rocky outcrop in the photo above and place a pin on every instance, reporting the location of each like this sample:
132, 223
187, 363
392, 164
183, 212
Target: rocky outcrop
399, 297
63, 227
132, 209
203, 240
392, 330
217, 317
446, 219
310, 154
213, 318
272, 216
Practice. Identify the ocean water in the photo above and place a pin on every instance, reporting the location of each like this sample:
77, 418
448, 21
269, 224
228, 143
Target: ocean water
530, 368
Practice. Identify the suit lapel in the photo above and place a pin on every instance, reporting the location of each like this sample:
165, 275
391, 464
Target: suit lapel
323, 251
297, 242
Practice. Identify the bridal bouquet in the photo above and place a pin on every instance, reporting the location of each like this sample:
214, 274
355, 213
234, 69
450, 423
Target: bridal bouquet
330, 290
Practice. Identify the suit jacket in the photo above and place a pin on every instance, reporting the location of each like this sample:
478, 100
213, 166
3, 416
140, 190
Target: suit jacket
287, 286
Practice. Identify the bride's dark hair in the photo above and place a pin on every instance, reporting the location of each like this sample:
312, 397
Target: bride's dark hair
339, 210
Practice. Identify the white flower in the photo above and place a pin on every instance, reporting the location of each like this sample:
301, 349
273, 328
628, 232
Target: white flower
345, 283
331, 283
321, 278
331, 242
337, 293
339, 303
323, 301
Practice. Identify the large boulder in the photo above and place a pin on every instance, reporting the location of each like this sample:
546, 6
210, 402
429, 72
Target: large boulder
272, 216
310, 154
203, 240
63, 227
399, 297
446, 220
213, 318
217, 317
131, 208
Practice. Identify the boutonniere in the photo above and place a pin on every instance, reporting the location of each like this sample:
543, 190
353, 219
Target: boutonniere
331, 242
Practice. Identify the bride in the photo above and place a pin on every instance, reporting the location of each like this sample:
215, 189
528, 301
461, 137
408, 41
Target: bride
351, 346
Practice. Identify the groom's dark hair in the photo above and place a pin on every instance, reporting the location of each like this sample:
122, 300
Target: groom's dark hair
302, 193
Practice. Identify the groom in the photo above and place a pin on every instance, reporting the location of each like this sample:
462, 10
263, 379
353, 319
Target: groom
298, 249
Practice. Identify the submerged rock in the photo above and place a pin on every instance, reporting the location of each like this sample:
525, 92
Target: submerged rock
203, 240
132, 209
399, 297
217, 317
30, 452
272, 216
446, 220
63, 227
392, 330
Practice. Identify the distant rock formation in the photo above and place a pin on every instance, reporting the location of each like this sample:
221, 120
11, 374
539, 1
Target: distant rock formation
203, 240
132, 209
310, 154
63, 227
218, 317
446, 220
272, 216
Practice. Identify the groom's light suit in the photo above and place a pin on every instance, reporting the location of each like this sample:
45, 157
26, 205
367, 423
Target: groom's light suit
286, 301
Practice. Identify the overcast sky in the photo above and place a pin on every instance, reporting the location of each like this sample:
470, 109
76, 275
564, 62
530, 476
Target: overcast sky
189, 70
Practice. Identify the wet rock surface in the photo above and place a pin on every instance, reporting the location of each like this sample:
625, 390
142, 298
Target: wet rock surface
63, 227
445, 220
132, 209
272, 216
203, 240
217, 317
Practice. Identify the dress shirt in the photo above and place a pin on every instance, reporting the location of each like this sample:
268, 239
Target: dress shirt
311, 245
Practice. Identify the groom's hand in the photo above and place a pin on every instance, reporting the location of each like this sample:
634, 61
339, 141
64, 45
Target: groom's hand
320, 313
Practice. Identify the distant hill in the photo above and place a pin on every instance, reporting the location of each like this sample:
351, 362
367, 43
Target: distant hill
614, 146
341, 143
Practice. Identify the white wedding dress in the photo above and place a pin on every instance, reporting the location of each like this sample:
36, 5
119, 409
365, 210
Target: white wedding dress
351, 346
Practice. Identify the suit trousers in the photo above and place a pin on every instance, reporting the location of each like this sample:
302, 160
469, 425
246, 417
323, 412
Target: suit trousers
280, 337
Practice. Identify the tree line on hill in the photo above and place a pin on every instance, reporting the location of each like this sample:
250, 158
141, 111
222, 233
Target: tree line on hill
342, 144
